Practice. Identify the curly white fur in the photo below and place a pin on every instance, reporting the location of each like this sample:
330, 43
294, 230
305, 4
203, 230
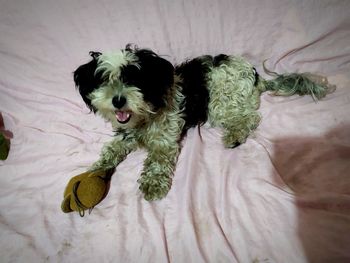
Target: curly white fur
233, 100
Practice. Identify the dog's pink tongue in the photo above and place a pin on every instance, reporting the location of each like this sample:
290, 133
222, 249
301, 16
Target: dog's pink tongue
122, 116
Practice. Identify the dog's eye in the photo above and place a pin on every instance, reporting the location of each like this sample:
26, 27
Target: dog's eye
130, 75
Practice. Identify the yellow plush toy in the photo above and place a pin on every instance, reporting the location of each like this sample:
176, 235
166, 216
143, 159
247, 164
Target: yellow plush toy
86, 190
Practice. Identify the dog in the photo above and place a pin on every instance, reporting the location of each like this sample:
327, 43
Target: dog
151, 104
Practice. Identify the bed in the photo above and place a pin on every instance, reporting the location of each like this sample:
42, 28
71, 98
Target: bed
283, 196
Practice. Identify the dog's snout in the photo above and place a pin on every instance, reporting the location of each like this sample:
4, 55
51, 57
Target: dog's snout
118, 102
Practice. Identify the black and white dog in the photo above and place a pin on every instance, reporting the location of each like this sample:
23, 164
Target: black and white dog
151, 104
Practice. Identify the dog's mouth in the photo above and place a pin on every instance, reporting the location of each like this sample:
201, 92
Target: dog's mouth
123, 116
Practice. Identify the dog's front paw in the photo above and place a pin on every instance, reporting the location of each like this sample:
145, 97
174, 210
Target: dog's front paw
154, 187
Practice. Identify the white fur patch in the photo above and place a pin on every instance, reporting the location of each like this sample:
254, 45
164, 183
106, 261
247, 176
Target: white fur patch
110, 63
231, 88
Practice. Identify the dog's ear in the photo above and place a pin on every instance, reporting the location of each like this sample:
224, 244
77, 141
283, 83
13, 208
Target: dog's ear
153, 76
87, 80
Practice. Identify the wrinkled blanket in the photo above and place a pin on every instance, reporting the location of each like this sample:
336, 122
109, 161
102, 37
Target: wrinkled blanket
283, 196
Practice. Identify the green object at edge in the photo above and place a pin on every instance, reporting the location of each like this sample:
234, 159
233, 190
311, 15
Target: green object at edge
4, 147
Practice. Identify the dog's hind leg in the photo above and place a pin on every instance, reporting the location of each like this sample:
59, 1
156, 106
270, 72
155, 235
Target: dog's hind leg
239, 127
234, 100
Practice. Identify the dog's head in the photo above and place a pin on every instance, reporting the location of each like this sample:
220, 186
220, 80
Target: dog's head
125, 87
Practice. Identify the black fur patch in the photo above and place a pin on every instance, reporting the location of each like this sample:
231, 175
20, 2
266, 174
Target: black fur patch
256, 75
219, 59
194, 86
86, 80
154, 77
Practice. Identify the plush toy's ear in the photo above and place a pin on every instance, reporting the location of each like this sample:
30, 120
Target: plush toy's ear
153, 75
87, 80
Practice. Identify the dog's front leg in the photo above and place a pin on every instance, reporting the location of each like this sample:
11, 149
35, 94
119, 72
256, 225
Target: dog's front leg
86, 190
159, 166
114, 152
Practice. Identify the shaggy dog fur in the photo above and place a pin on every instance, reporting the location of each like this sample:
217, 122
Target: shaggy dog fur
151, 104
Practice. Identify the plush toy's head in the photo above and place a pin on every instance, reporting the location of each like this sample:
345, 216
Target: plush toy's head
125, 87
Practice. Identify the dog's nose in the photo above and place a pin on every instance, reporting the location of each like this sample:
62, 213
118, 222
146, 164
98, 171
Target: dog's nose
118, 102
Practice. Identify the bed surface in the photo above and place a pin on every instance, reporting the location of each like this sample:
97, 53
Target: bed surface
283, 196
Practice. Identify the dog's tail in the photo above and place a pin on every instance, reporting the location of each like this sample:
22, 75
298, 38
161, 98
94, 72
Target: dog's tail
298, 83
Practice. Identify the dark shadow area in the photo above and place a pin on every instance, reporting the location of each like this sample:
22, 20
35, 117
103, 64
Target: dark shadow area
5, 140
317, 169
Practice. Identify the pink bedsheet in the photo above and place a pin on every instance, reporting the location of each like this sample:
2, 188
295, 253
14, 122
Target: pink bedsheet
283, 196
